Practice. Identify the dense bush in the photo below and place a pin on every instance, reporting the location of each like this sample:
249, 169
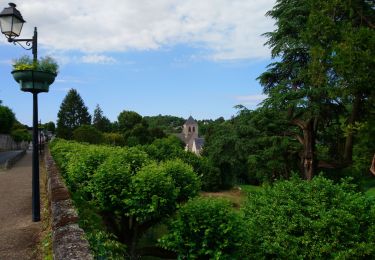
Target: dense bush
188, 183
205, 228
88, 134
310, 220
115, 139
83, 164
171, 148
124, 189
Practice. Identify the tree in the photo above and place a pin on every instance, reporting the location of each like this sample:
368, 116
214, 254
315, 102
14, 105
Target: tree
7, 119
253, 147
127, 120
99, 121
20, 132
168, 124
131, 193
88, 134
115, 139
322, 50
50, 126
72, 114
310, 220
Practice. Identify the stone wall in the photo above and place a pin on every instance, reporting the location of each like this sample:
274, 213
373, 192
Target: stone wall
7, 144
68, 240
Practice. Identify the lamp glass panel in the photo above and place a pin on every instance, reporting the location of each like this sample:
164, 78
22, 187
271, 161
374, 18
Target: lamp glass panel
17, 26
6, 25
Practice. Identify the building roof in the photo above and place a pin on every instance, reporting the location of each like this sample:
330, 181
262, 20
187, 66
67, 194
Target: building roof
199, 142
190, 121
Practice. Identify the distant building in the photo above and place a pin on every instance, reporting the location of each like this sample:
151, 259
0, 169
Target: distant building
190, 137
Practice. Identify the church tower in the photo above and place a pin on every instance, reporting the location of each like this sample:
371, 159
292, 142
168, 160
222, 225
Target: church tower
189, 136
190, 129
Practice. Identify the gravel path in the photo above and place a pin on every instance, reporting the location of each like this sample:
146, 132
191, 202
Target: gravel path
18, 234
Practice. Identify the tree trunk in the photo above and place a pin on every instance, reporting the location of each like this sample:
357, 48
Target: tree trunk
308, 150
308, 141
348, 152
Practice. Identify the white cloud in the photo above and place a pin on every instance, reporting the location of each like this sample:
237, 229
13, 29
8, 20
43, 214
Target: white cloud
252, 100
96, 58
69, 80
226, 29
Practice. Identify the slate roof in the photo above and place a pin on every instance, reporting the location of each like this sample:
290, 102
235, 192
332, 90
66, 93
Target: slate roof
199, 142
190, 121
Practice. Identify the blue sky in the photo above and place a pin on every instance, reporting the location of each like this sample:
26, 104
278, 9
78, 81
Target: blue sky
154, 57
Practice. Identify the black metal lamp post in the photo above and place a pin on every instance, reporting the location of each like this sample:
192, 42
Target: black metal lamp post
11, 23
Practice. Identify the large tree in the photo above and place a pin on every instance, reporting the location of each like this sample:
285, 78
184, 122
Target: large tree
99, 121
127, 120
324, 55
72, 114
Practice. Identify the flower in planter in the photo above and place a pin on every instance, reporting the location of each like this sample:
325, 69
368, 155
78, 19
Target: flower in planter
35, 76
45, 64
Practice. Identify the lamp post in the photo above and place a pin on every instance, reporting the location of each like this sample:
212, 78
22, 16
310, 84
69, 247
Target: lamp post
11, 23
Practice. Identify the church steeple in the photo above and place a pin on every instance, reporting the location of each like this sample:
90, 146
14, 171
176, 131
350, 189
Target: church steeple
190, 137
190, 128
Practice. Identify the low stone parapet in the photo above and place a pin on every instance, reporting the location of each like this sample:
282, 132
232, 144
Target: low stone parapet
68, 239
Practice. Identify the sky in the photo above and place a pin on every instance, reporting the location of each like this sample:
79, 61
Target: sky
169, 57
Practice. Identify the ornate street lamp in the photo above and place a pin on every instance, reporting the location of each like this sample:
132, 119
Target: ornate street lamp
11, 23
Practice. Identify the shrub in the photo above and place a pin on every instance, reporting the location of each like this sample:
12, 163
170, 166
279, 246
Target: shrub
105, 246
172, 148
83, 164
165, 149
110, 184
205, 228
115, 139
88, 134
152, 194
315, 219
186, 180
123, 189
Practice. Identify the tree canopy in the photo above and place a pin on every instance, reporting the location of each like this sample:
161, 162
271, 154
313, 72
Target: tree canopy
7, 119
72, 114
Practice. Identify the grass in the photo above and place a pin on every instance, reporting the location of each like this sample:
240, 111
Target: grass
45, 243
368, 185
250, 188
371, 192
237, 195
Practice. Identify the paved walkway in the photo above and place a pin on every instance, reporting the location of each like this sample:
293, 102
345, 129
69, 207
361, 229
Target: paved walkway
18, 234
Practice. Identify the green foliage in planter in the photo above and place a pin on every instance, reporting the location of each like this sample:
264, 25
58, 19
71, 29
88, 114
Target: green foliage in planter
315, 219
205, 228
46, 64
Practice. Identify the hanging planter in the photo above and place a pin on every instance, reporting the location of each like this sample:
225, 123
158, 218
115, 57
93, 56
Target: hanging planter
35, 76
33, 80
